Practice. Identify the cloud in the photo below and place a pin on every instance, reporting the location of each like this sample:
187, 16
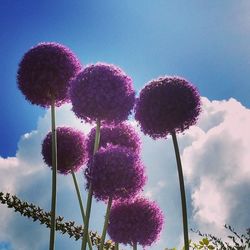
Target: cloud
215, 156
27, 176
216, 165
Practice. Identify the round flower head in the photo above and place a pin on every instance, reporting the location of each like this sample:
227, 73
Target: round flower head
115, 172
44, 74
167, 105
122, 134
71, 152
102, 91
135, 221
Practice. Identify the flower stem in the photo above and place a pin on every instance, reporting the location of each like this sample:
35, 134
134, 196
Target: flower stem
116, 246
134, 246
54, 173
182, 189
81, 205
104, 231
90, 194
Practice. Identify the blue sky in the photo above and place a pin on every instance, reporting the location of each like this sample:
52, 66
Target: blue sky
207, 42
5, 246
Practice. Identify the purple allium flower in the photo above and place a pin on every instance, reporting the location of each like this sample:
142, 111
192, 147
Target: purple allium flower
167, 104
71, 149
102, 91
135, 221
45, 72
122, 134
115, 172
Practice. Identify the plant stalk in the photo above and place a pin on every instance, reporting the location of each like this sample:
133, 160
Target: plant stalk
134, 246
182, 190
90, 194
105, 226
81, 205
54, 177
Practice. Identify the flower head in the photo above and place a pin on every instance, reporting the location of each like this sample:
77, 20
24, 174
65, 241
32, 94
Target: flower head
44, 74
122, 134
102, 91
167, 104
115, 172
71, 149
135, 221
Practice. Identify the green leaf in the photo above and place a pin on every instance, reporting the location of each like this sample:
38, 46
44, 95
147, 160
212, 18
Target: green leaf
201, 242
210, 247
205, 241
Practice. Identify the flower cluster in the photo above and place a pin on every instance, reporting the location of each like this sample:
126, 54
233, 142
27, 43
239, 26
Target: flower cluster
71, 149
135, 221
50, 73
102, 91
122, 134
115, 172
44, 74
167, 104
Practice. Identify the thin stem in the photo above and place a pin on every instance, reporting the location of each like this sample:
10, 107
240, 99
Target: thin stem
81, 205
54, 173
182, 189
104, 231
90, 194
116, 246
97, 136
86, 219
134, 246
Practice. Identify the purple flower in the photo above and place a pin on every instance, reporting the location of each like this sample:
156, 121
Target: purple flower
102, 91
71, 149
44, 74
135, 221
167, 104
122, 134
115, 172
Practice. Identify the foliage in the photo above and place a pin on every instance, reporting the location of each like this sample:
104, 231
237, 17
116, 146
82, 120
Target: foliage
237, 241
208, 241
38, 214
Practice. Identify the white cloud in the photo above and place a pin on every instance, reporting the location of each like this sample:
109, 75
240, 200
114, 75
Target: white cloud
215, 157
217, 165
156, 190
209, 203
27, 176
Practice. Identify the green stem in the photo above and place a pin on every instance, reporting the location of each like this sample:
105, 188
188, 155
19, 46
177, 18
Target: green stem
54, 172
81, 205
104, 231
116, 246
97, 136
182, 189
90, 194
134, 246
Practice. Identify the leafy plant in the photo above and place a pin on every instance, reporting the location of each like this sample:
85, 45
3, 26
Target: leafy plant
237, 241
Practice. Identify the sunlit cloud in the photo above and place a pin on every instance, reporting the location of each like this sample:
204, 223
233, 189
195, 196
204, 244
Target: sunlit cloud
215, 157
